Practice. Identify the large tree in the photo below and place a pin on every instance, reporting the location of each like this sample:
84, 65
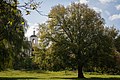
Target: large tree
78, 34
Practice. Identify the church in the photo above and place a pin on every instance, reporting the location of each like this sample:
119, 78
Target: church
34, 40
32, 43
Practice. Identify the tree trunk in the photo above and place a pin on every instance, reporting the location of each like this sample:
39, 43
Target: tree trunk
80, 73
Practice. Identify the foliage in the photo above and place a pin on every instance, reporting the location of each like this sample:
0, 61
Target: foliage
77, 36
12, 30
117, 43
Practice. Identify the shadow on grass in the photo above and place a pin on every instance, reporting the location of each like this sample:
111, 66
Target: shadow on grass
52, 78
17, 78
111, 78
93, 78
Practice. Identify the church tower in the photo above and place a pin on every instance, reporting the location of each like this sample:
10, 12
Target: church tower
34, 39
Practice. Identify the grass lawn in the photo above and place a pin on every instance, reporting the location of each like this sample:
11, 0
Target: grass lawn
60, 75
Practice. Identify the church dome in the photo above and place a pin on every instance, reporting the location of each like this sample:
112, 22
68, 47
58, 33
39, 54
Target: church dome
33, 34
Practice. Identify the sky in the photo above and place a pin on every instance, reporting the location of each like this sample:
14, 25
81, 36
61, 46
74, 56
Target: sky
109, 10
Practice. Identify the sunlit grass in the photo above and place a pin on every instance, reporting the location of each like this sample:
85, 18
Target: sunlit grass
61, 75
37, 74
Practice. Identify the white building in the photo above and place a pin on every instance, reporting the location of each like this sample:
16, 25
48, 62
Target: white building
34, 39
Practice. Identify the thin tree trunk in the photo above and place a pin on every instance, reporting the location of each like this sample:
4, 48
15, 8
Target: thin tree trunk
80, 73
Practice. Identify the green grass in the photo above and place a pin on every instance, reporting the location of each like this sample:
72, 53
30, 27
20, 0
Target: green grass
60, 75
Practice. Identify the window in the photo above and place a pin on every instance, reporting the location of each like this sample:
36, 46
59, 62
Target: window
33, 41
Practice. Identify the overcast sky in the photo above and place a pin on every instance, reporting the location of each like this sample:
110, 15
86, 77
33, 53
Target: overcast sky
109, 9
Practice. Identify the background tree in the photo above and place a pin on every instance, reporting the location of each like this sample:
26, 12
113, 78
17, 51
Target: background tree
117, 55
117, 43
79, 35
12, 30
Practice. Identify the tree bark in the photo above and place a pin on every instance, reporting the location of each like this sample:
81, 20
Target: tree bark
80, 73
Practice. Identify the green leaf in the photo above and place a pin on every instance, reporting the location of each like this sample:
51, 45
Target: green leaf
23, 23
27, 12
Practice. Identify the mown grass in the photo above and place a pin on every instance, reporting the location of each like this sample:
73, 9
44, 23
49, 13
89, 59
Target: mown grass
49, 75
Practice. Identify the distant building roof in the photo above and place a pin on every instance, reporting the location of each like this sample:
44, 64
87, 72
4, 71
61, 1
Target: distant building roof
33, 36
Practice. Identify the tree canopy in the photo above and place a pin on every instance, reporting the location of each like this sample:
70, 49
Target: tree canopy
77, 34
12, 30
